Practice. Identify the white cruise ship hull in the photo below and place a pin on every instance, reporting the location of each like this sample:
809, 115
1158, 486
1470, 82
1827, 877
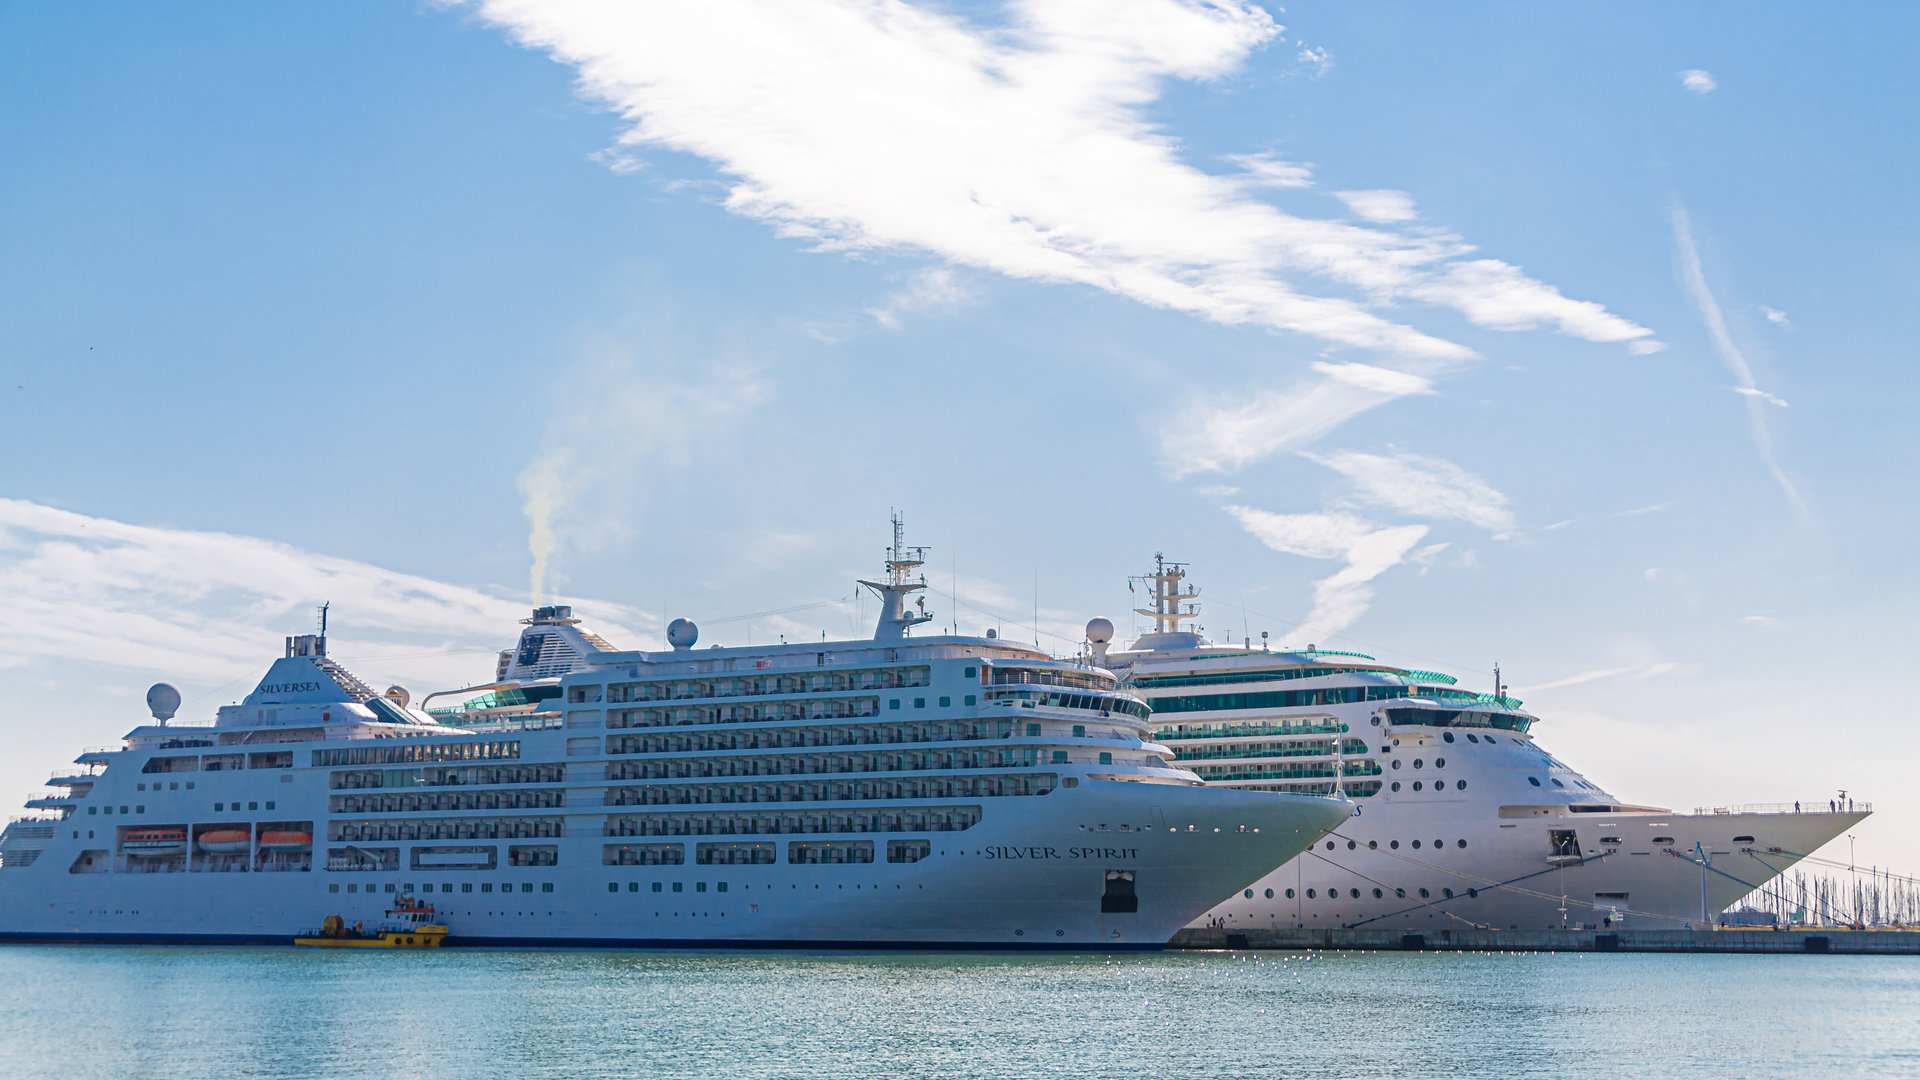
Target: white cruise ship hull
1025, 877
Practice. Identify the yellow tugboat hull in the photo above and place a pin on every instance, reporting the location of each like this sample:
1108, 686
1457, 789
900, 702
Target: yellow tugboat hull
428, 938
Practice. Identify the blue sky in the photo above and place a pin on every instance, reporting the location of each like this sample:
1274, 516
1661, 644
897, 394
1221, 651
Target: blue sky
1456, 336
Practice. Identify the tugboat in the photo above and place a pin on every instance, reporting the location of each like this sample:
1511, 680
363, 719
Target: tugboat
409, 925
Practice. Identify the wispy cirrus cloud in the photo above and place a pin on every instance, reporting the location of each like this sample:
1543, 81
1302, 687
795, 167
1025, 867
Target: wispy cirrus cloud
1694, 280
1231, 430
201, 606
1366, 549
1380, 206
1421, 487
934, 290
1024, 148
1631, 671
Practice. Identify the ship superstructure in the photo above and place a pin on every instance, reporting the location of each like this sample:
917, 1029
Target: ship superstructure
1461, 817
888, 792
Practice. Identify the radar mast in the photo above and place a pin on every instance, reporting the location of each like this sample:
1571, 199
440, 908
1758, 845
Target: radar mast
902, 561
1167, 612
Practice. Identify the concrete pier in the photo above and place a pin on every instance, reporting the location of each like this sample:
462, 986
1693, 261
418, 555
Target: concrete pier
1817, 940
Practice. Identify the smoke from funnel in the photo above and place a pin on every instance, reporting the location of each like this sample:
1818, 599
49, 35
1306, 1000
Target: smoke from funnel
543, 484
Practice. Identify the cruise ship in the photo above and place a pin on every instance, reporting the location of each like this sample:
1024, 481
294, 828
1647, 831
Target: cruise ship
894, 792
1462, 819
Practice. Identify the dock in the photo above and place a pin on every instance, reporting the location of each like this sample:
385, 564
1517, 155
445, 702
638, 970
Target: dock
1796, 940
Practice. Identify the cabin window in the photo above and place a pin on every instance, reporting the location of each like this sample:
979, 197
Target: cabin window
1269, 894
945, 701
1106, 758
335, 887
466, 886
893, 703
1059, 757
679, 886
633, 886
969, 699
1289, 894
1033, 730
973, 673
919, 703
656, 886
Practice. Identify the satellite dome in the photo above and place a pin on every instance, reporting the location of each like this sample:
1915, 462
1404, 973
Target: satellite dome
398, 695
681, 633
164, 700
1099, 631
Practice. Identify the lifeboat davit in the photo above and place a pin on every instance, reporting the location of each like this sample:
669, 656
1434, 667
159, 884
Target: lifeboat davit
286, 841
226, 841
153, 843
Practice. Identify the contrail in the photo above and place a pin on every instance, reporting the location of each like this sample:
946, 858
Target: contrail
1696, 284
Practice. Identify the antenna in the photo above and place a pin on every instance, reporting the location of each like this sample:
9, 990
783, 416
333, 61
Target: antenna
901, 562
323, 617
1498, 693
1168, 611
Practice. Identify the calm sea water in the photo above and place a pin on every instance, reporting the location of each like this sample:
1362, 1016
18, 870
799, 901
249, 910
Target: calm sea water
185, 1012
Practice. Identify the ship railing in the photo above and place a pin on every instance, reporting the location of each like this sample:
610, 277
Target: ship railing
1826, 804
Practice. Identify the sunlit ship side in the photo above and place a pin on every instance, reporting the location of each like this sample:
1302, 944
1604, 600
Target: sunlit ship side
895, 792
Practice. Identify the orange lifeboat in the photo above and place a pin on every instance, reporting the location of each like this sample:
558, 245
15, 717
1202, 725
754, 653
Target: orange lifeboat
226, 841
153, 843
286, 841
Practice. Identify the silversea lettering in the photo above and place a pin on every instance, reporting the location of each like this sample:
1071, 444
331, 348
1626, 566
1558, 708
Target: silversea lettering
1055, 853
289, 688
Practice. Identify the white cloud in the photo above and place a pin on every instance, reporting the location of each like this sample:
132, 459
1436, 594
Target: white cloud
1635, 671
1756, 392
1777, 317
1700, 82
1381, 206
1219, 491
1368, 551
1694, 279
1265, 170
1651, 573
1421, 486
1229, 431
205, 605
1027, 149
932, 291
1760, 620
1319, 59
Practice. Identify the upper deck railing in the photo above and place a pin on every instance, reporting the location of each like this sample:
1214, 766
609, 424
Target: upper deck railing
1824, 805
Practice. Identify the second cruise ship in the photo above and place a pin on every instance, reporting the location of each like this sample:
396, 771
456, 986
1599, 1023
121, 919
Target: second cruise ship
1461, 818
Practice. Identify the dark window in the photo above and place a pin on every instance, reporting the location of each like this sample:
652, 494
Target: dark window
1311, 895
1377, 894
945, 701
973, 673
1534, 780
656, 886
1119, 897
1447, 735
969, 699
1269, 894
1289, 894
546, 886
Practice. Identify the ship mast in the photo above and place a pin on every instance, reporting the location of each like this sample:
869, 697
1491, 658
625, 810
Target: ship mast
1167, 612
902, 561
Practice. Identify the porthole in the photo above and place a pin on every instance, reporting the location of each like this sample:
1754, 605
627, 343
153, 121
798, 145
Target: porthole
1534, 780
1394, 844
1270, 894
1376, 721
1396, 763
1249, 894
1471, 737
1424, 894
1448, 893
1439, 763
1447, 735
1377, 894
1439, 843
1461, 784
1289, 894
1396, 785
1472, 894
1311, 894
1417, 763
1374, 844
1351, 845
1416, 847
1355, 894
1460, 843
1400, 894
1416, 785
1439, 785
1329, 845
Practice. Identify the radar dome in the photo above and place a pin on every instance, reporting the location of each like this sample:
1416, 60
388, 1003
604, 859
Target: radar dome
398, 695
1099, 631
164, 700
681, 633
